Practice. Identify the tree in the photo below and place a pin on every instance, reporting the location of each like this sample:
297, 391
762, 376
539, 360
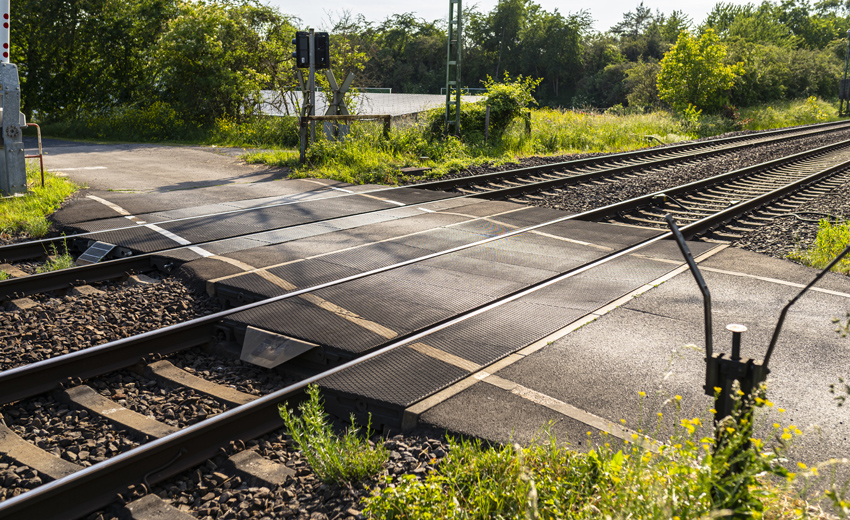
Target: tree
213, 59
694, 73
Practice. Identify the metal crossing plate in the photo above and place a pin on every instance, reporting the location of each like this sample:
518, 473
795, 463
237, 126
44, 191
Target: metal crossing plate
95, 253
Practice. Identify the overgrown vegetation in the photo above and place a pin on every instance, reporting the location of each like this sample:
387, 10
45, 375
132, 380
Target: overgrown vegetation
28, 213
688, 477
365, 157
831, 240
335, 459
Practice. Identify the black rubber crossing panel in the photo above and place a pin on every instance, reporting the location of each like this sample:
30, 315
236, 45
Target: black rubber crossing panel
376, 255
500, 271
230, 245
297, 318
106, 224
249, 284
405, 226
312, 272
530, 216
413, 196
141, 239
487, 208
401, 289
303, 248
451, 279
371, 381
609, 235
401, 317
300, 274
485, 338
442, 239
485, 228
507, 253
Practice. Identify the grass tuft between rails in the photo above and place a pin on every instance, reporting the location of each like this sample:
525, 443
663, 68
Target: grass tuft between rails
28, 213
335, 459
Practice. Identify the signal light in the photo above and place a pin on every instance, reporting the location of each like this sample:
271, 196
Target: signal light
302, 50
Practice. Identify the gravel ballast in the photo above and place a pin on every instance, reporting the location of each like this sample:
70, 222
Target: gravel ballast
58, 325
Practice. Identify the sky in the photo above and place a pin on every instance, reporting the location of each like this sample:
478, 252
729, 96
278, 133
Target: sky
315, 13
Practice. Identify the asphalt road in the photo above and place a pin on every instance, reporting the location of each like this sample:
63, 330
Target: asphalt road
149, 167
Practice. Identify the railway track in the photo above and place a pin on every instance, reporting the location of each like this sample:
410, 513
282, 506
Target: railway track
157, 450
522, 185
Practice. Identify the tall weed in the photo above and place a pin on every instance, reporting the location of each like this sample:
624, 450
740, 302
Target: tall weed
335, 459
831, 240
688, 477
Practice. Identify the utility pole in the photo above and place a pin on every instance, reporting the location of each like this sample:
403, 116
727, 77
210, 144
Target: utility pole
453, 59
844, 88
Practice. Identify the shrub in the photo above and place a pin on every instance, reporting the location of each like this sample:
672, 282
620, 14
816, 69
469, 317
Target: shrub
508, 101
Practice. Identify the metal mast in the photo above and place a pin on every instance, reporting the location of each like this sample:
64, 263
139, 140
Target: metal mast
453, 54
844, 89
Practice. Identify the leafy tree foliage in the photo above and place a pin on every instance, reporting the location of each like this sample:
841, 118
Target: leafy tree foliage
694, 73
209, 59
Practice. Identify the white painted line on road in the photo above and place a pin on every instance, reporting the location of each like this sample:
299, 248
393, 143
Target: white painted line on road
168, 234
201, 251
340, 189
426, 210
180, 240
115, 207
410, 418
561, 407
83, 168
774, 280
395, 202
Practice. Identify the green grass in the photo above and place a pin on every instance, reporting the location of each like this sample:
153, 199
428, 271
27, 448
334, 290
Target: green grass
689, 477
56, 260
788, 113
4, 276
830, 241
365, 157
334, 459
28, 213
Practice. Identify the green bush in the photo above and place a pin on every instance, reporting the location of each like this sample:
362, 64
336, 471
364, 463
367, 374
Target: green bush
155, 122
508, 100
334, 459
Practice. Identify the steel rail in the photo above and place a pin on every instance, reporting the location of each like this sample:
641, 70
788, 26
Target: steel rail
38, 248
592, 161
56, 280
524, 189
62, 279
97, 485
25, 381
645, 200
